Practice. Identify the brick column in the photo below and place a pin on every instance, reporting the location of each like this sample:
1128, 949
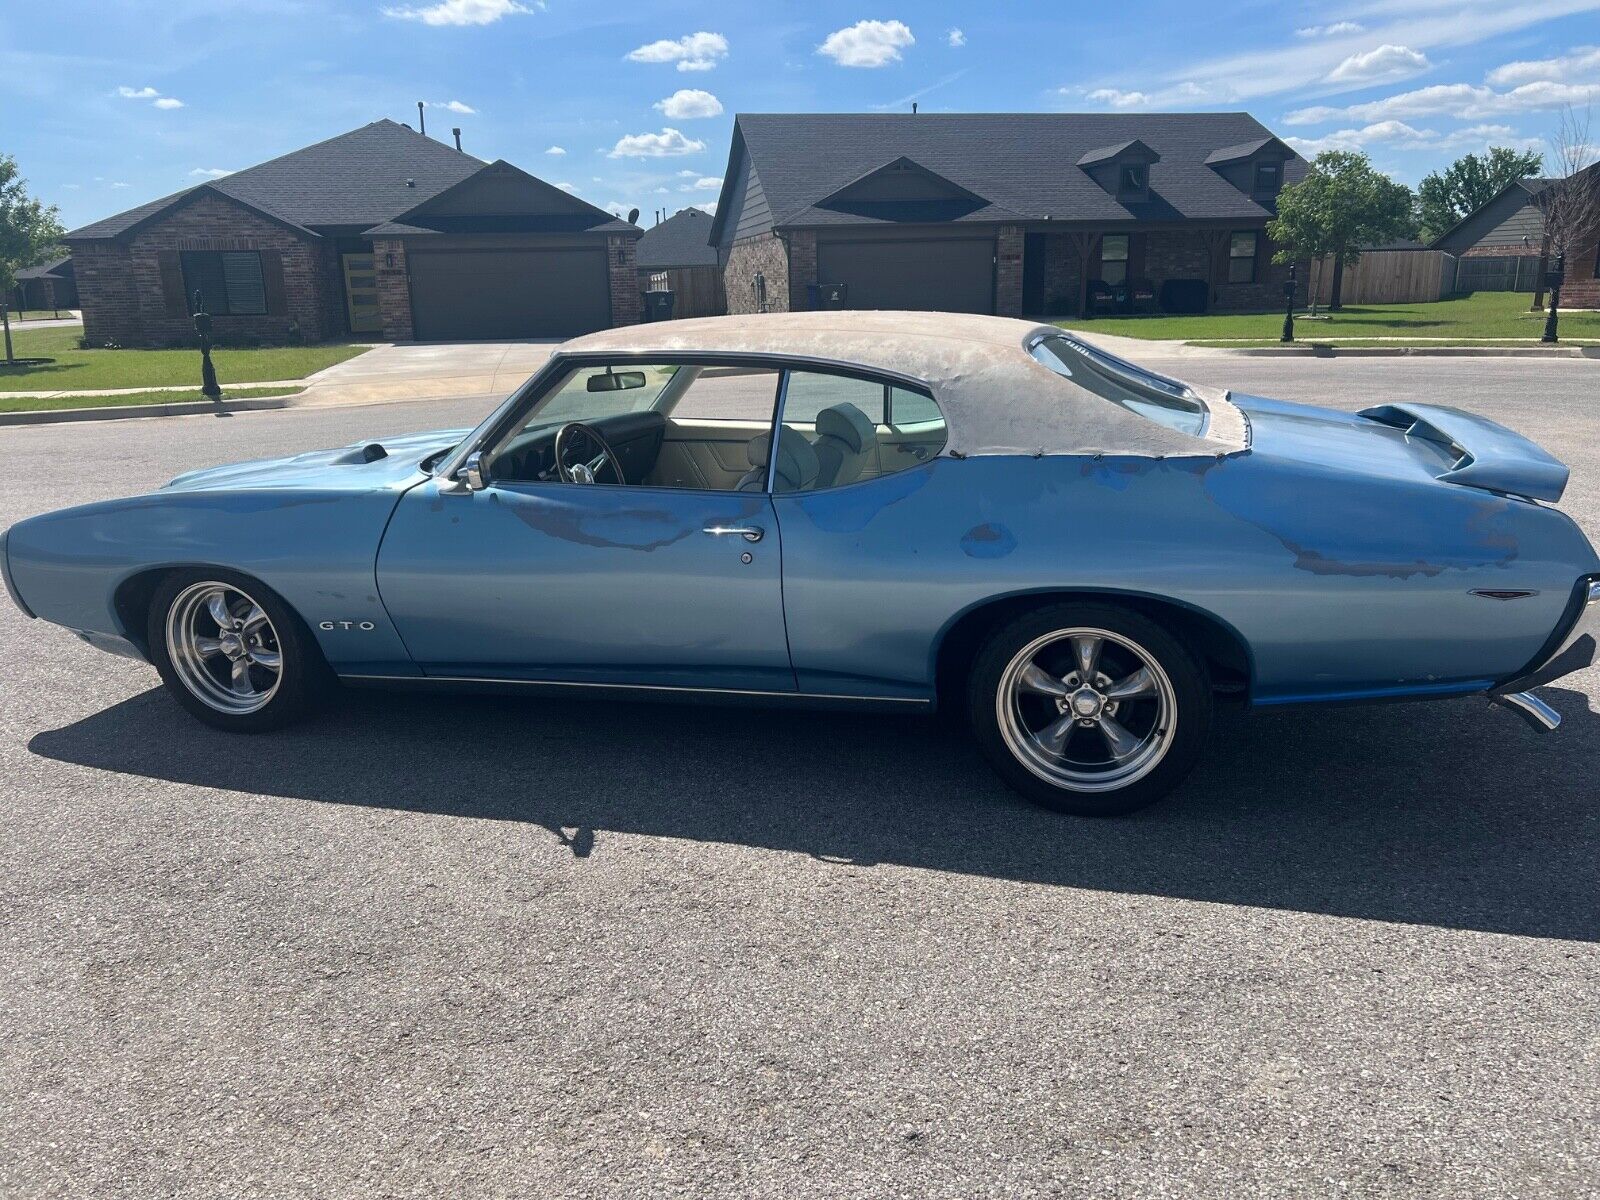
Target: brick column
1008, 271
622, 262
802, 268
394, 289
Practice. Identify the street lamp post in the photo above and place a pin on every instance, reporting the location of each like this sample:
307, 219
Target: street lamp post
1288, 306
209, 387
1553, 280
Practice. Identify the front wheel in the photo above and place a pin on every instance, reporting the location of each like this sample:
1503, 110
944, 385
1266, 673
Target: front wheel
1089, 709
232, 653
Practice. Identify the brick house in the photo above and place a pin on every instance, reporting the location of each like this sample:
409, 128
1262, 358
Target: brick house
50, 286
1500, 247
380, 232
1021, 213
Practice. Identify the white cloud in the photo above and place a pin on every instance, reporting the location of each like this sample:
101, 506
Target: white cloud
955, 38
454, 106
1582, 63
706, 208
72, 187
686, 104
1335, 30
1434, 28
119, 184
867, 43
567, 187
459, 12
210, 172
694, 52
558, 151
687, 174
667, 143
1464, 101
149, 93
1187, 92
1385, 64
705, 183
1398, 135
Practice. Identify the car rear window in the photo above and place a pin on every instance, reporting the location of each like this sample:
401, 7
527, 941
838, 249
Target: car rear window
1166, 401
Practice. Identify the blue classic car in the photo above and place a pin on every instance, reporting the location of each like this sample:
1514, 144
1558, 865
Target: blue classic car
892, 510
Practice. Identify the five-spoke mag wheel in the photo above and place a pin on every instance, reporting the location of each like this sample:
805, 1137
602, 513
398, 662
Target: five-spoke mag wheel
1089, 708
224, 648
231, 652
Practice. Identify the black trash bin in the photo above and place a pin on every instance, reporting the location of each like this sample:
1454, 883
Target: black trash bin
658, 305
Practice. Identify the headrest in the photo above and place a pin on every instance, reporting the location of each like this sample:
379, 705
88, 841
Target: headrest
797, 465
849, 424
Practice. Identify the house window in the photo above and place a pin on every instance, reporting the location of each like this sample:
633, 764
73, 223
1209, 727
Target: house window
1242, 256
1131, 179
1269, 177
229, 281
1114, 258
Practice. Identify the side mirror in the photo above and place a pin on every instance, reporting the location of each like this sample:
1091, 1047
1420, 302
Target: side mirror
473, 474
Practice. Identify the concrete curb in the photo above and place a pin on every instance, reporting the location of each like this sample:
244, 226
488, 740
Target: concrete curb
188, 408
1324, 350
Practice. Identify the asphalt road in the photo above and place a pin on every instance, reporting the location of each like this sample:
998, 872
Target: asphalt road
482, 947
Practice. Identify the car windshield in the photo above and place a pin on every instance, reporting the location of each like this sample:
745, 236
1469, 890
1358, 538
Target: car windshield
1132, 387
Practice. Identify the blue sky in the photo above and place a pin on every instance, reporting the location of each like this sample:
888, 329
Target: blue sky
107, 103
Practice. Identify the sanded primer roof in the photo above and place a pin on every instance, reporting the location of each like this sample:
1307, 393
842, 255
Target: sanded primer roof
995, 398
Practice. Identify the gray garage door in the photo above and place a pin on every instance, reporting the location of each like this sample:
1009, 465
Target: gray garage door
457, 295
946, 275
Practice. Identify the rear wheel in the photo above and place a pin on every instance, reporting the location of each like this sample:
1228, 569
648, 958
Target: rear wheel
232, 653
1088, 708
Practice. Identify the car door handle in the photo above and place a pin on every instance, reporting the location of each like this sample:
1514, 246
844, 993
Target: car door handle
750, 533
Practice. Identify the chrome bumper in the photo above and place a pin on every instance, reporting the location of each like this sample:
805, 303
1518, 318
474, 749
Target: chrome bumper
1573, 652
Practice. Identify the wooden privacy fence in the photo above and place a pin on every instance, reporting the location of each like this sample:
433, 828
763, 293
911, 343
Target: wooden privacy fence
1388, 277
698, 289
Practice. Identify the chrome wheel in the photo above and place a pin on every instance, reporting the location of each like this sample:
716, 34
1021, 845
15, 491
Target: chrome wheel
1086, 710
223, 648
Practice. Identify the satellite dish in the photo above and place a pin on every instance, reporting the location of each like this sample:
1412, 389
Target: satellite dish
633, 216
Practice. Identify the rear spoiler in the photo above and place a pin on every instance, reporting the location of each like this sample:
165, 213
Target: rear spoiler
1482, 454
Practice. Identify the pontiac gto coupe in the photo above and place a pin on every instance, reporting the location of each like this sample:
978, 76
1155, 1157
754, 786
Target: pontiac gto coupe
881, 509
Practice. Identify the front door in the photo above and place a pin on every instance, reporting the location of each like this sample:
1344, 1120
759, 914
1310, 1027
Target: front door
361, 293
651, 581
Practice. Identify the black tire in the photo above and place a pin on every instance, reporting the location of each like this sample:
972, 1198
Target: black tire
303, 677
1170, 758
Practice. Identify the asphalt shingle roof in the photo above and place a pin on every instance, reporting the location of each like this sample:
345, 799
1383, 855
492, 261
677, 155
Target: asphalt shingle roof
44, 268
1025, 164
682, 240
355, 179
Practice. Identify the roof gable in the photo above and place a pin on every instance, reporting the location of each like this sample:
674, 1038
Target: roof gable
1250, 149
501, 198
1134, 150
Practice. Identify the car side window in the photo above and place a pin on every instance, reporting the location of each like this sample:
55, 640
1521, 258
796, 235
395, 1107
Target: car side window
840, 429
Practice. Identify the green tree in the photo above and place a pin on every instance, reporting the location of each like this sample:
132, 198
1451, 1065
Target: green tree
1341, 205
28, 229
1466, 185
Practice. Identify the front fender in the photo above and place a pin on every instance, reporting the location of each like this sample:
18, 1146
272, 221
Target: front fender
315, 549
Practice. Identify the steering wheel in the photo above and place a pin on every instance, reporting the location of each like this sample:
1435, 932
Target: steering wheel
576, 435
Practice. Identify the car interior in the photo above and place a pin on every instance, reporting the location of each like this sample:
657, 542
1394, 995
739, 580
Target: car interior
709, 427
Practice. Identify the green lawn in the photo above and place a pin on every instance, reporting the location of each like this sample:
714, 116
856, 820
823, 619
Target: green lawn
42, 314
1488, 315
83, 370
40, 404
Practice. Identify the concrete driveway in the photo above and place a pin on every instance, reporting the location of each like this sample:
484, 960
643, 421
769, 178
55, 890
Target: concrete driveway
469, 946
427, 371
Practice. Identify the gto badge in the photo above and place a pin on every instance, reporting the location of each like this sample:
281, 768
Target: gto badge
364, 626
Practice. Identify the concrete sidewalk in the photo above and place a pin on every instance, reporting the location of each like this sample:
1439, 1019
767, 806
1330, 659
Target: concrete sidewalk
426, 371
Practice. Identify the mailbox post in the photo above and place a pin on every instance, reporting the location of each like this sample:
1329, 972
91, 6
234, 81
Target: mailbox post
208, 373
1288, 306
1553, 279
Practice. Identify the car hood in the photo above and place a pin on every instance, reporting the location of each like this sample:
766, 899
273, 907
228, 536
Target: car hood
360, 465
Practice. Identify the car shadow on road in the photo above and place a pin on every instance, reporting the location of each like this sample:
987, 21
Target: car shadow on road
1450, 814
